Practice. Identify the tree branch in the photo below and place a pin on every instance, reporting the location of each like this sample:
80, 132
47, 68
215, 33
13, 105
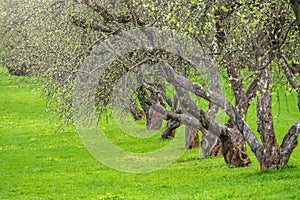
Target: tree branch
199, 90
99, 9
291, 78
289, 142
95, 25
166, 97
238, 89
296, 7
183, 118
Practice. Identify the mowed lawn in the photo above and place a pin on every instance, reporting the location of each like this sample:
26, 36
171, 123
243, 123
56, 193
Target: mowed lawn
39, 162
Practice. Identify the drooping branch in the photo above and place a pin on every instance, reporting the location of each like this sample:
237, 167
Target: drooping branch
289, 74
222, 102
199, 90
291, 78
184, 118
189, 106
99, 9
107, 16
166, 97
94, 25
170, 129
233, 153
233, 147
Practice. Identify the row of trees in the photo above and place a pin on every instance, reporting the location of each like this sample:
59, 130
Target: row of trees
252, 44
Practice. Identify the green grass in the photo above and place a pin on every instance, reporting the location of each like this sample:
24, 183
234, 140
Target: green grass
38, 162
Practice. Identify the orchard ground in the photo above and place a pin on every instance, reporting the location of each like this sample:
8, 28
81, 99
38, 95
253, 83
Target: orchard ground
39, 162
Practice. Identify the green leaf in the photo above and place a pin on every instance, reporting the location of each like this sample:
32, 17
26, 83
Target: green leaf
224, 9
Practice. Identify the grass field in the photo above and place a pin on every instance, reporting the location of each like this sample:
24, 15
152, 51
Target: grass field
39, 162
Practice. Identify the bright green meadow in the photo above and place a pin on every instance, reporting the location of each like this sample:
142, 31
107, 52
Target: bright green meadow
39, 161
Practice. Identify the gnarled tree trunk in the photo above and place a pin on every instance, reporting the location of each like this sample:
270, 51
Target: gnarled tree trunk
170, 129
191, 138
154, 120
211, 144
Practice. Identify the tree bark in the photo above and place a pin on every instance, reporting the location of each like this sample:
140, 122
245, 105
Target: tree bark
289, 143
271, 155
233, 71
232, 148
211, 144
192, 138
296, 7
154, 120
137, 113
181, 82
291, 78
170, 129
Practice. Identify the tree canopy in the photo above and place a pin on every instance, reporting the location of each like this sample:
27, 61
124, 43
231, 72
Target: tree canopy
254, 45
